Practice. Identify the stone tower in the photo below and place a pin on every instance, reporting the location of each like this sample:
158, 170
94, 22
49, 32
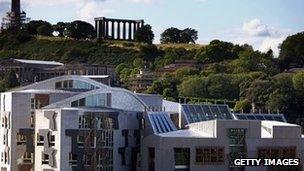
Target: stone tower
15, 19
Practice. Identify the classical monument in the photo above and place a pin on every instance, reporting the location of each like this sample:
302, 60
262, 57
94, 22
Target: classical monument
117, 29
16, 18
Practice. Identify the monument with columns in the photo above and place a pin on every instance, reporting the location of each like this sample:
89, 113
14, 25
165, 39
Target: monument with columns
117, 29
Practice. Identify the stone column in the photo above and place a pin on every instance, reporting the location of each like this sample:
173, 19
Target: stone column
113, 30
134, 28
102, 28
97, 28
124, 30
107, 29
142, 23
118, 30
130, 31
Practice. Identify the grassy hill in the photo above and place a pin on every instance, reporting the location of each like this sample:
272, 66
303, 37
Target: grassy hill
77, 51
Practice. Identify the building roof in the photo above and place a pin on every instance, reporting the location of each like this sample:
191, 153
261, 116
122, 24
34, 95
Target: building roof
46, 91
261, 117
38, 62
160, 122
187, 133
197, 113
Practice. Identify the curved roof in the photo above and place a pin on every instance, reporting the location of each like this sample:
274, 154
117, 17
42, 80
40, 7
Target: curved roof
102, 88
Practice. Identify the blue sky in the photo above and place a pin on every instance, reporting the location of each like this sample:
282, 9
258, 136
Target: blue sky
261, 23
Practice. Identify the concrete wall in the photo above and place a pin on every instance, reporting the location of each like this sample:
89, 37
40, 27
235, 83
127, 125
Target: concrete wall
164, 146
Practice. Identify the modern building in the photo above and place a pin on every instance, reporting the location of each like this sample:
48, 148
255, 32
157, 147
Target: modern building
74, 123
31, 71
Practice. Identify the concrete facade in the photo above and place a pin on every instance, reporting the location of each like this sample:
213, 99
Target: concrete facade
73, 123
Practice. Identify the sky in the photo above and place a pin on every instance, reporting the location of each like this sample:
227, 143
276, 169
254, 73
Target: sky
264, 24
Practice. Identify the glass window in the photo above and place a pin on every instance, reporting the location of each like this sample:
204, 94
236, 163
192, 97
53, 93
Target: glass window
209, 155
182, 156
99, 100
58, 85
45, 158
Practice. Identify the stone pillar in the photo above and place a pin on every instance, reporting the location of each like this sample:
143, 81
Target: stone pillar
102, 28
134, 28
142, 23
124, 30
106, 29
97, 28
113, 30
118, 30
130, 31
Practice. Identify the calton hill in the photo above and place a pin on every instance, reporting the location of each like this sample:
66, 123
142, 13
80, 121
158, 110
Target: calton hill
236, 75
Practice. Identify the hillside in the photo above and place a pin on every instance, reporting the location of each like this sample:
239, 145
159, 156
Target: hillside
77, 51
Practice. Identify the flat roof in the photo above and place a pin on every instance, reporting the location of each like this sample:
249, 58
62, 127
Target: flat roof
187, 133
38, 62
95, 76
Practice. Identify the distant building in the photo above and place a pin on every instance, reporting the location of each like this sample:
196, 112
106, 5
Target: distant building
142, 81
178, 64
15, 19
30, 71
117, 29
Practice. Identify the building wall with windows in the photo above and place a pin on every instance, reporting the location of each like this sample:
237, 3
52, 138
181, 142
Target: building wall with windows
79, 145
212, 145
18, 117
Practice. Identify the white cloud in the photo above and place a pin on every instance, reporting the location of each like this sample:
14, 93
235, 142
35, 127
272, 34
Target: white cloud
92, 9
254, 32
142, 1
256, 28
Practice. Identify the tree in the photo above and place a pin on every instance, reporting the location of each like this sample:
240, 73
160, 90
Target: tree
45, 30
220, 86
194, 87
174, 35
60, 27
80, 30
283, 96
188, 35
216, 51
144, 34
10, 80
242, 106
259, 92
171, 35
32, 26
148, 52
292, 52
138, 63
298, 83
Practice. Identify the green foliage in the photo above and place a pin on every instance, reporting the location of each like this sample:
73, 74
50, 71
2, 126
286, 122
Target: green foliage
292, 52
138, 63
259, 92
10, 80
44, 30
60, 27
80, 30
220, 86
144, 34
32, 27
148, 52
298, 82
216, 51
174, 35
194, 87
242, 106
